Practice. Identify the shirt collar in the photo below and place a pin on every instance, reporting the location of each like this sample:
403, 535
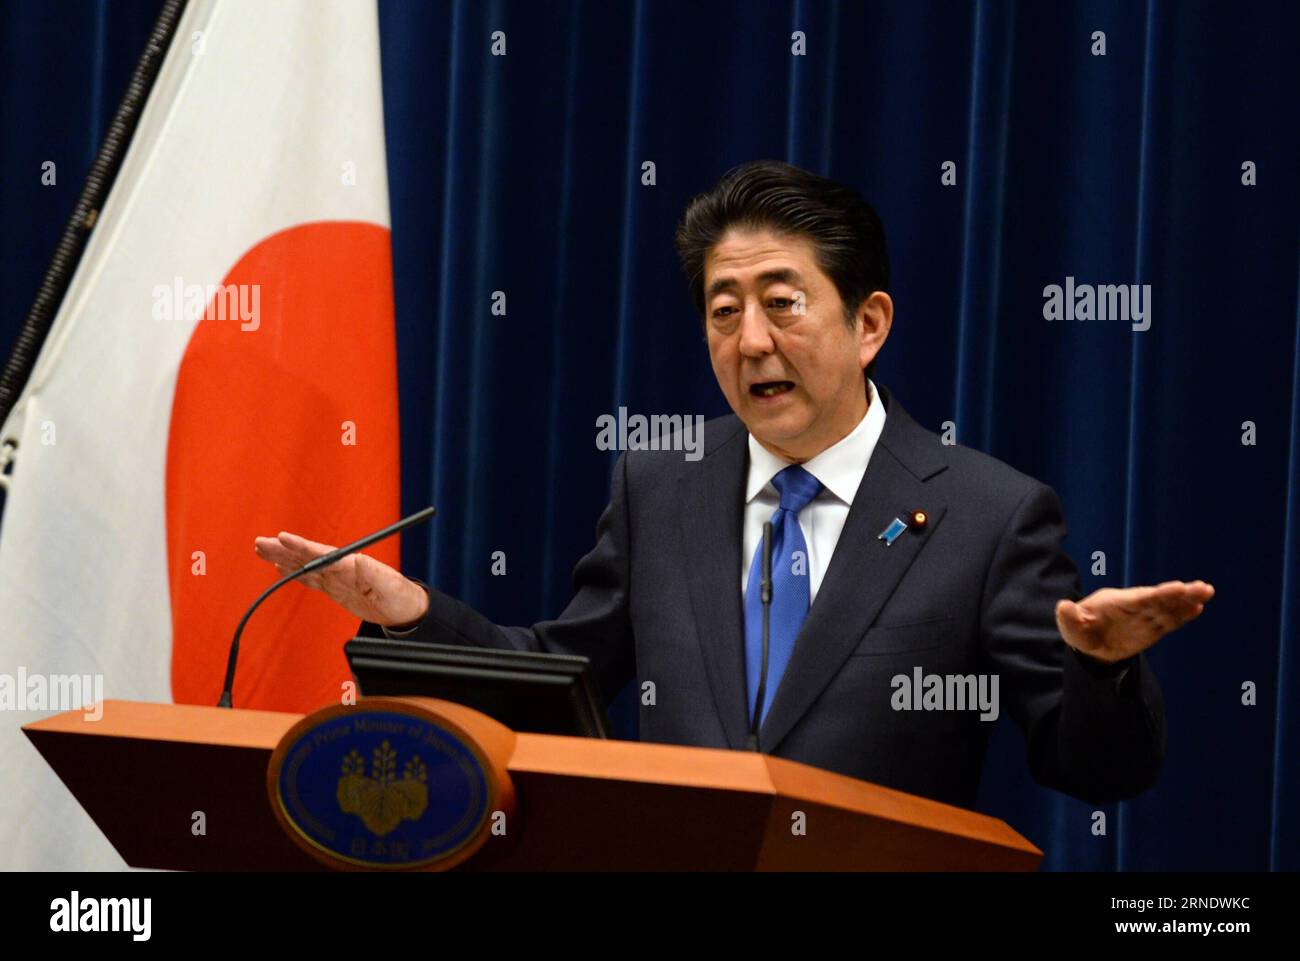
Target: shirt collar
839, 467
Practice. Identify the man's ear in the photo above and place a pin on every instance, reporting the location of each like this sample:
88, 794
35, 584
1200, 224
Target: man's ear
876, 318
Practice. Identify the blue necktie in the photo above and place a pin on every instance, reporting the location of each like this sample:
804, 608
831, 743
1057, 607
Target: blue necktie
790, 587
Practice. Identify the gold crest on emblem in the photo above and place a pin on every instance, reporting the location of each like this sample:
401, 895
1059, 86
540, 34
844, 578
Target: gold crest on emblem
382, 800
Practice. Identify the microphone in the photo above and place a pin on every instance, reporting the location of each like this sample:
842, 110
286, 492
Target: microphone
765, 597
325, 560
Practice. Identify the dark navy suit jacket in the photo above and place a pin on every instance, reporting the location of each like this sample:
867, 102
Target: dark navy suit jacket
658, 599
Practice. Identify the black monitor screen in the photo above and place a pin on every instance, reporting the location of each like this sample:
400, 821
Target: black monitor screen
526, 691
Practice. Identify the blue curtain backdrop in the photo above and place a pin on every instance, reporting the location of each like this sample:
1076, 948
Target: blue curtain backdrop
522, 174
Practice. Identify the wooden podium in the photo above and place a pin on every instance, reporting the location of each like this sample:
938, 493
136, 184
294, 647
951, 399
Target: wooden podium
142, 771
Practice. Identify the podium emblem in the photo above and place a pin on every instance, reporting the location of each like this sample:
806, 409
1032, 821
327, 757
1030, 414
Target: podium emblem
381, 785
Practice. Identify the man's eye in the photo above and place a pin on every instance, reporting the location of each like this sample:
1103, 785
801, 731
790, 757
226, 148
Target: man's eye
722, 311
780, 303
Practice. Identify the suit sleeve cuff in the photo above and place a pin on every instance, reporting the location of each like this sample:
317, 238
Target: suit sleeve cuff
1112, 671
397, 633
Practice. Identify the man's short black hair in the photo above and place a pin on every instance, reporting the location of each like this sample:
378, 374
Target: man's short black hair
846, 233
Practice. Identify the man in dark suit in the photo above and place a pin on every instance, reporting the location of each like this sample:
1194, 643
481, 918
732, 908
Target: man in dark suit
916, 586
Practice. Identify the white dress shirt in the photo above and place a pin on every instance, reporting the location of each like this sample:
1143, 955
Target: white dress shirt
839, 468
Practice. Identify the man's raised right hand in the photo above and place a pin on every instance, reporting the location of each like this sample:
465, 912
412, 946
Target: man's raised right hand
368, 588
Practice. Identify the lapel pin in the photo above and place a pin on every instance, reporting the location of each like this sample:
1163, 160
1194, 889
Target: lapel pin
890, 533
916, 520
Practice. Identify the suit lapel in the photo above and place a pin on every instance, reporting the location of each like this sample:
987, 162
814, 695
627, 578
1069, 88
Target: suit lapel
713, 494
863, 571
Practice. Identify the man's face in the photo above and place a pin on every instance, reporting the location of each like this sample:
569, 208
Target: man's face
788, 364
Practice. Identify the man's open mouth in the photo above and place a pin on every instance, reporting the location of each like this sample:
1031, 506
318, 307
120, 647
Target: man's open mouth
771, 388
